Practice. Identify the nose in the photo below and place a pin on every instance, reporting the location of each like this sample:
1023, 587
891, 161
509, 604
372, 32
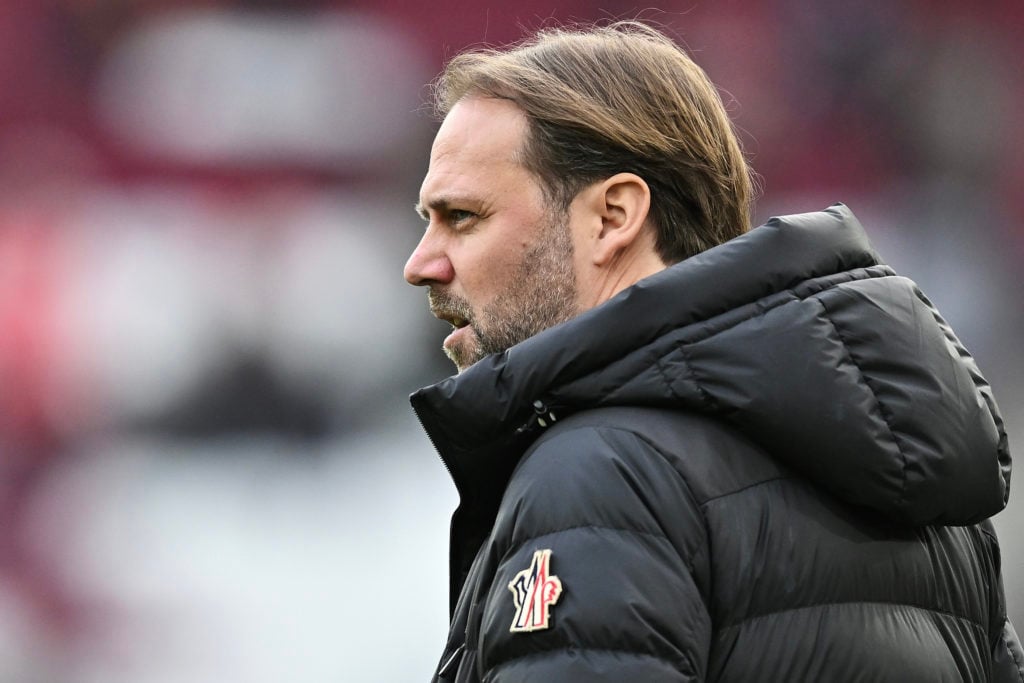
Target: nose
428, 263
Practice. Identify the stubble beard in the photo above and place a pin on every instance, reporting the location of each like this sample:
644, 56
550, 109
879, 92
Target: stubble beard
540, 294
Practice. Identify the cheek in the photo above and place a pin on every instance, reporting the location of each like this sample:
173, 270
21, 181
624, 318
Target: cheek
490, 268
490, 258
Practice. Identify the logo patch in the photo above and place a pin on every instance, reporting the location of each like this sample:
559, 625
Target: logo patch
534, 591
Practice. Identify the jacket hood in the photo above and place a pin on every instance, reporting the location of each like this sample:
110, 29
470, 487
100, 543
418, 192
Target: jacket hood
795, 333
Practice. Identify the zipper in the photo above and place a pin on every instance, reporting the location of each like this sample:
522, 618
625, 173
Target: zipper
452, 663
463, 500
430, 437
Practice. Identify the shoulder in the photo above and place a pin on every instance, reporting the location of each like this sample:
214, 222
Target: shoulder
596, 454
631, 473
705, 456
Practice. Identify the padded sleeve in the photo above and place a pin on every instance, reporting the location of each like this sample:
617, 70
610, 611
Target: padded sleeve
626, 548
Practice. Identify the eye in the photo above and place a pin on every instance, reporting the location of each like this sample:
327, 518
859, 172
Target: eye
457, 216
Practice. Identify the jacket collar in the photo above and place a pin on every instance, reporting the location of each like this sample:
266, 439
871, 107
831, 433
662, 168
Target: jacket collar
617, 354
494, 399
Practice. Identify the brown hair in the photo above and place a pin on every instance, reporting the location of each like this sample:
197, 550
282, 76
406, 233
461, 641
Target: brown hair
619, 98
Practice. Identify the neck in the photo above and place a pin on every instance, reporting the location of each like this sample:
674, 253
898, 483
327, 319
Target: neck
623, 272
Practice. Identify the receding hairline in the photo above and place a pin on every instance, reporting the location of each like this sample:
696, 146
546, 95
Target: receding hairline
622, 96
515, 156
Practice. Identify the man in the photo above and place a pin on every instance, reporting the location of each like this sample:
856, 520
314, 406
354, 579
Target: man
687, 451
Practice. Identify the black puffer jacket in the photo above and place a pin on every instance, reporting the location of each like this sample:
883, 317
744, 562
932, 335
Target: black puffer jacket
770, 462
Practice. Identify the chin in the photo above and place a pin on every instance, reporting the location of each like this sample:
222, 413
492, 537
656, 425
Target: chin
461, 365
463, 353
456, 358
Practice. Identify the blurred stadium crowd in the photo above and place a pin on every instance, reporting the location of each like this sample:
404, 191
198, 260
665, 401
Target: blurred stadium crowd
208, 470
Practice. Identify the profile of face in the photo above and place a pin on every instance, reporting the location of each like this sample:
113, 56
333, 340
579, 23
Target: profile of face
497, 259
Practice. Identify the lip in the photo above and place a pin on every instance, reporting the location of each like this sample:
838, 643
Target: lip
457, 335
450, 318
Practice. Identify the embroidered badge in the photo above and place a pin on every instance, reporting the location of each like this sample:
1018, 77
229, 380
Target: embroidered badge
534, 591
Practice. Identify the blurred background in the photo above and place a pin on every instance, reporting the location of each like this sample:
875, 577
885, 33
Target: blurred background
208, 467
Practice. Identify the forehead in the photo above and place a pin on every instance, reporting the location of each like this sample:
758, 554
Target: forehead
478, 142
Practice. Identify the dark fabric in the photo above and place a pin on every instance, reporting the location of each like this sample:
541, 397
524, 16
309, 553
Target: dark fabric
772, 461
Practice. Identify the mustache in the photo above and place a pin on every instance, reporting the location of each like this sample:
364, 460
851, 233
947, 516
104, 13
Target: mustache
445, 304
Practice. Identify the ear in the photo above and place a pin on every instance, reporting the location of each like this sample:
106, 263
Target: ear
623, 202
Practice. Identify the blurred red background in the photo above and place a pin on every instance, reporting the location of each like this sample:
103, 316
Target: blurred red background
207, 465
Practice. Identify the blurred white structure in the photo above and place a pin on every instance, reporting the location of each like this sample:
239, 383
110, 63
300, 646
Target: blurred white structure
252, 562
215, 86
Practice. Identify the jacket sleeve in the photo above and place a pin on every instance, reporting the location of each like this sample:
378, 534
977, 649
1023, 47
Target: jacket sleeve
601, 567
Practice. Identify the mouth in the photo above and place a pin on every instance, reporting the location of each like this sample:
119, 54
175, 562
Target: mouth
454, 310
454, 320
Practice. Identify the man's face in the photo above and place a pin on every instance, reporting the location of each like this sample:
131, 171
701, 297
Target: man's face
498, 261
